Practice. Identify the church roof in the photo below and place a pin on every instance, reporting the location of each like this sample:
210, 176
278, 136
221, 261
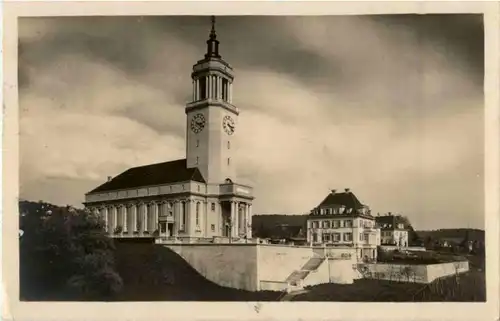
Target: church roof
347, 199
154, 174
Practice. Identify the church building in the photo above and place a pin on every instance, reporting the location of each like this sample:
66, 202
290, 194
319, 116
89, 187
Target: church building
192, 199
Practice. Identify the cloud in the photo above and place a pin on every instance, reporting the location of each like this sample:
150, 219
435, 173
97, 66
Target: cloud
326, 102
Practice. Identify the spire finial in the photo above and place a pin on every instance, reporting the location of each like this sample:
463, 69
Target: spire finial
212, 42
212, 32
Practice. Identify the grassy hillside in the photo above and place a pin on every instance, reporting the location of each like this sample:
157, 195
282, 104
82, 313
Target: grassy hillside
152, 272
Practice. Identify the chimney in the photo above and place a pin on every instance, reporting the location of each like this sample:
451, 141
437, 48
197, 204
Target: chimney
334, 191
347, 190
390, 214
110, 178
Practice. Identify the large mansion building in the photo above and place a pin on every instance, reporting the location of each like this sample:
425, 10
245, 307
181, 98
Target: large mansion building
194, 198
341, 220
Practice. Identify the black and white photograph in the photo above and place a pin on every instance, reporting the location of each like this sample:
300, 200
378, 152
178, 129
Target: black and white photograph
252, 158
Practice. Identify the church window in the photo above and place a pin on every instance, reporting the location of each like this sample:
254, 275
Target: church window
229, 161
198, 214
197, 159
197, 143
184, 215
203, 88
170, 209
228, 145
225, 89
213, 207
213, 227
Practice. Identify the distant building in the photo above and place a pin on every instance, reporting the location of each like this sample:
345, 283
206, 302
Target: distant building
342, 220
393, 230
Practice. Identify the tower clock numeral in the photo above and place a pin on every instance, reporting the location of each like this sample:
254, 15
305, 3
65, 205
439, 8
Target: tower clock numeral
228, 125
198, 123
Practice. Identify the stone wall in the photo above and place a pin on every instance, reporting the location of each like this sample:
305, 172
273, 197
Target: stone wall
412, 273
277, 262
231, 265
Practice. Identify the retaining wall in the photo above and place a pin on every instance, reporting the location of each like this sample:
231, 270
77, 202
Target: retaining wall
413, 273
231, 265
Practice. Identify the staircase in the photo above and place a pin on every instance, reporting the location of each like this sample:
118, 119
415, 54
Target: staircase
294, 280
312, 264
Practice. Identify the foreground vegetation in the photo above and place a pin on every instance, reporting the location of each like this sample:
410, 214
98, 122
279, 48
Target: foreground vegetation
64, 255
466, 287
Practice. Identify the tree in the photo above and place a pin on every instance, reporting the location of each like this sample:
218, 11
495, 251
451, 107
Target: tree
65, 254
464, 245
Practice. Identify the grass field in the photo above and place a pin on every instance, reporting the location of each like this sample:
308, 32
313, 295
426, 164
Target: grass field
467, 287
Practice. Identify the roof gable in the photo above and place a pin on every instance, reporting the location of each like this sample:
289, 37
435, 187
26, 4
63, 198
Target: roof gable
154, 174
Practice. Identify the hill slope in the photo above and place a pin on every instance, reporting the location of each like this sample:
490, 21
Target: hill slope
152, 272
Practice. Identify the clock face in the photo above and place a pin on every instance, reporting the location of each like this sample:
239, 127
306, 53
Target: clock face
197, 123
228, 125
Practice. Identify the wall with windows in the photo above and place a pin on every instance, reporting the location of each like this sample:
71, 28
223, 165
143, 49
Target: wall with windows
394, 237
353, 230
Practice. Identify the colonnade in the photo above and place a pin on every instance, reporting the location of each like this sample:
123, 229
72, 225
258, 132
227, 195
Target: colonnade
187, 216
141, 217
241, 218
216, 88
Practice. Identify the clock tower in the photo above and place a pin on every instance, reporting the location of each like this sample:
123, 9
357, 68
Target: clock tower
211, 117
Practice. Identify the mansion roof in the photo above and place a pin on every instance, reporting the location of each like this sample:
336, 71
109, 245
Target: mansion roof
153, 174
347, 199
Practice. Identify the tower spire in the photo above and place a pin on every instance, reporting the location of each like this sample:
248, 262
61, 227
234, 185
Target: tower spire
212, 42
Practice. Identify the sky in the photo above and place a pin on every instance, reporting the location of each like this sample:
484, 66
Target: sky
388, 106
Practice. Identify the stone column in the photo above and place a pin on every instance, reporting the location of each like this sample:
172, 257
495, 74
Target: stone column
121, 216
207, 88
219, 88
111, 219
105, 217
194, 90
234, 218
134, 209
249, 222
178, 216
230, 92
143, 217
